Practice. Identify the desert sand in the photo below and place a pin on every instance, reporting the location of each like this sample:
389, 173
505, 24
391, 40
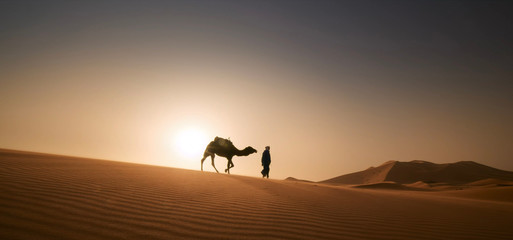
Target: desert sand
47, 196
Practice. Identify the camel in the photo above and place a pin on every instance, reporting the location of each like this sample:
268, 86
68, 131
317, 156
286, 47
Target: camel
224, 148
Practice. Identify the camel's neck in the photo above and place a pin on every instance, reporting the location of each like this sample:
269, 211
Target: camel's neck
243, 152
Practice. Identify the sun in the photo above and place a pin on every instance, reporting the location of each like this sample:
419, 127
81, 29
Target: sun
190, 142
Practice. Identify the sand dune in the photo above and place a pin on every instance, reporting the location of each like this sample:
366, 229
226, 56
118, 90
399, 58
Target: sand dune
491, 182
391, 186
371, 175
297, 180
56, 197
423, 171
496, 194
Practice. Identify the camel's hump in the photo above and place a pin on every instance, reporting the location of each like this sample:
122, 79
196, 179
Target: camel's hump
223, 141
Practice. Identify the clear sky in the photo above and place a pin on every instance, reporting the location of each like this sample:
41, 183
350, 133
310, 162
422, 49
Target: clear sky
332, 86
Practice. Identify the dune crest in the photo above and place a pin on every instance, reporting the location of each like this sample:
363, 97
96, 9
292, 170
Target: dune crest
297, 180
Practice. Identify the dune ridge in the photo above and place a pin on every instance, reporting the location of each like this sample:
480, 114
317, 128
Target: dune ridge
59, 197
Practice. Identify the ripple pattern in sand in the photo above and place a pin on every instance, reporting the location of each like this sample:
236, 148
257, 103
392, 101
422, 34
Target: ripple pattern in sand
54, 197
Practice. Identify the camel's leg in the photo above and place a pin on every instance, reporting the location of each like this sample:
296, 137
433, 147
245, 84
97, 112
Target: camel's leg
202, 160
228, 166
213, 165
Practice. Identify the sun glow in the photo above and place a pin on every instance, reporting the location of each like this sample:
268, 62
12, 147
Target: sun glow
191, 142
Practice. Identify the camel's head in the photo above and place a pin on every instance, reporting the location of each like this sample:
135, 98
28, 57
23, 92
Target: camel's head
250, 150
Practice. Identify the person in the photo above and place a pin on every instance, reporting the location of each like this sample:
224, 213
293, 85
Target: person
266, 161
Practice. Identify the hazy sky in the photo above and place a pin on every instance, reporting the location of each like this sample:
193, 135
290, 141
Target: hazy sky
332, 86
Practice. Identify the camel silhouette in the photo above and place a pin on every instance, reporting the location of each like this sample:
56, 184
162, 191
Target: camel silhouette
224, 148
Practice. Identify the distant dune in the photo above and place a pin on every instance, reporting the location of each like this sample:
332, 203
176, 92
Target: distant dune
47, 196
423, 172
295, 179
389, 185
491, 182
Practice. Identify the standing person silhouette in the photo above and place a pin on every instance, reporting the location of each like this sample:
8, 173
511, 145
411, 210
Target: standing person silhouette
266, 161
